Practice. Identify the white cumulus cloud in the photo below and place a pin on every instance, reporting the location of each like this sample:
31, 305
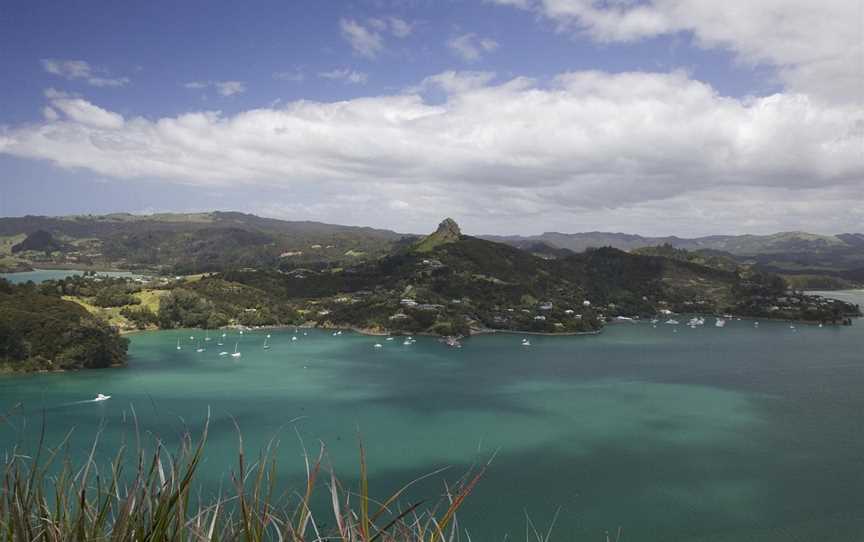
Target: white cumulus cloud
816, 47
471, 47
80, 69
345, 74
365, 42
653, 147
224, 88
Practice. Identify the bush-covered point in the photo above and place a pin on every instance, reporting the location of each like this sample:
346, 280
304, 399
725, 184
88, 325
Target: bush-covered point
39, 331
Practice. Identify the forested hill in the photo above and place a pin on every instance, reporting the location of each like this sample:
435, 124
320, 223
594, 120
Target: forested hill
446, 283
219, 241
182, 243
39, 331
793, 253
450, 283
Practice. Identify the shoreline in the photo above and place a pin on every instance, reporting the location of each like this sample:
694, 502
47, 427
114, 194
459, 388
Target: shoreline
537, 333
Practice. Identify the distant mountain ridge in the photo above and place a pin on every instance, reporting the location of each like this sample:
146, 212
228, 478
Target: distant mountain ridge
786, 252
739, 245
183, 243
200, 242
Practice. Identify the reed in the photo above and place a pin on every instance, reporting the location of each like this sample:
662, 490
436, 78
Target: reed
153, 496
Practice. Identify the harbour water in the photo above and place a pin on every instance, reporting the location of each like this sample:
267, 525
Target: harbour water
41, 275
711, 434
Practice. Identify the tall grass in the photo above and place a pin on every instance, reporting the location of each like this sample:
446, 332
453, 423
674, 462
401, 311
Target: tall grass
153, 496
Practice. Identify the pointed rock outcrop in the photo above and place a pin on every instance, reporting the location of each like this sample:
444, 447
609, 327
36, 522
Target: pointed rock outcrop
448, 232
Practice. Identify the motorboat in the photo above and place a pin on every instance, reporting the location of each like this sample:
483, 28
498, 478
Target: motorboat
526, 342
100, 397
378, 345
720, 322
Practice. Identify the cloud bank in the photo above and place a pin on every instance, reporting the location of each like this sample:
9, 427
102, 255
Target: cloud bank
586, 145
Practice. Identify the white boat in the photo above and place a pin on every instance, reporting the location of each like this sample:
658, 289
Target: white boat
223, 353
207, 336
389, 338
378, 345
755, 324
100, 397
236, 353
266, 342
526, 342
672, 322
191, 337
294, 338
696, 321
178, 344
719, 322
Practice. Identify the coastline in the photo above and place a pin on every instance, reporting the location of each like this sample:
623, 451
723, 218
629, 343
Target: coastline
537, 333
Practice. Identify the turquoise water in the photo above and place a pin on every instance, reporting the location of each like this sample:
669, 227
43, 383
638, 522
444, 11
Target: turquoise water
729, 434
41, 275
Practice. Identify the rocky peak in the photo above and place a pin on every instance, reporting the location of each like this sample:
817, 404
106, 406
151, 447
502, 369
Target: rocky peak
448, 232
448, 229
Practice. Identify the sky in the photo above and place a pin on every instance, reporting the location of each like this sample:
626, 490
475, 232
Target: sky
656, 117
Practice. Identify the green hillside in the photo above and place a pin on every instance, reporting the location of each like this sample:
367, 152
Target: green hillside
186, 243
41, 331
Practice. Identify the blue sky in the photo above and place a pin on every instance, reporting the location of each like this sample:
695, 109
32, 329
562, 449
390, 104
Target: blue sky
660, 118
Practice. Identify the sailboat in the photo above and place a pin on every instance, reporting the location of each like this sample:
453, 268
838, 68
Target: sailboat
266, 342
207, 336
178, 344
236, 353
200, 348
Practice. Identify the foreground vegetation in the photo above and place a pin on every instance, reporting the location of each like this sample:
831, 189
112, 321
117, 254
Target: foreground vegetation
156, 495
